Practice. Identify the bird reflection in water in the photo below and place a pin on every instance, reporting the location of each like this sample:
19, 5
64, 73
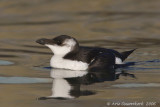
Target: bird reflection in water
66, 83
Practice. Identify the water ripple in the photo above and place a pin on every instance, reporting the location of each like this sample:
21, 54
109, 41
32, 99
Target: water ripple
3, 62
23, 80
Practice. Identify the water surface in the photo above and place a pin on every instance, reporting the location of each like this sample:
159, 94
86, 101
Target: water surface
120, 25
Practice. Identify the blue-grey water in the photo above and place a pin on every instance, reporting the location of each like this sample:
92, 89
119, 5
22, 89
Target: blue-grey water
25, 75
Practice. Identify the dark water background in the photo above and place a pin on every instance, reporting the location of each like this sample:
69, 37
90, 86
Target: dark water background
120, 25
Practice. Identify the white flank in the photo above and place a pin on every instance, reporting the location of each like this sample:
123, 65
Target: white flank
118, 61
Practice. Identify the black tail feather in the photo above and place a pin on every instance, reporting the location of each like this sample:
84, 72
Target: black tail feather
126, 54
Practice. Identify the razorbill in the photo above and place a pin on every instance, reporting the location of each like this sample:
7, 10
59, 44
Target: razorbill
67, 54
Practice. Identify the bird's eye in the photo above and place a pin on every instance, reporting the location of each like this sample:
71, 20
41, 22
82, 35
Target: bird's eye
58, 43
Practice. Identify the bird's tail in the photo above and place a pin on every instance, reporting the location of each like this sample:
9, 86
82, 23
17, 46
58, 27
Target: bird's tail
125, 54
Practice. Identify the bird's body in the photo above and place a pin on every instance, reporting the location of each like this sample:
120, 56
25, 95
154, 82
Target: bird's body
69, 55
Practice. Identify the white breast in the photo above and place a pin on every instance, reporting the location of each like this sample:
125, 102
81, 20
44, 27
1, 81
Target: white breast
59, 62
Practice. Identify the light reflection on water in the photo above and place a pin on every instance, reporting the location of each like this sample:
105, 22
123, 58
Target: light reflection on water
2, 62
23, 80
136, 85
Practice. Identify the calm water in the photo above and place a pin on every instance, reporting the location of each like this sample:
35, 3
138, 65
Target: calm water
25, 77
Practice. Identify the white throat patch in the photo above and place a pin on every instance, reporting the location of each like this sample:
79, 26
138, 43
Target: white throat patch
67, 46
59, 50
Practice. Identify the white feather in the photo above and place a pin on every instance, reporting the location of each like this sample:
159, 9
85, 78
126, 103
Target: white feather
62, 50
118, 61
59, 62
59, 50
70, 42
